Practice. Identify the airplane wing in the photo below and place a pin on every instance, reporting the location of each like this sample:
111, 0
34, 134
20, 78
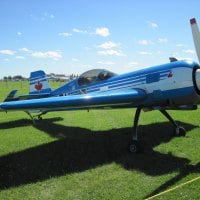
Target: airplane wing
116, 98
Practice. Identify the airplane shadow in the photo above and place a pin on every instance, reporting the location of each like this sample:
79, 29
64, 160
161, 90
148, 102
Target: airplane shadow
15, 124
79, 149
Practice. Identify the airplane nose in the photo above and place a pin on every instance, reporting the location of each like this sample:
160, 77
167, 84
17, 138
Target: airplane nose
197, 78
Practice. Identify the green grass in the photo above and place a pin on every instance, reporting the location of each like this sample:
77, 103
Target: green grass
83, 155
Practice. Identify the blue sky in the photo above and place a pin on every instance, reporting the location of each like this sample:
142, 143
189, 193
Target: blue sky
72, 36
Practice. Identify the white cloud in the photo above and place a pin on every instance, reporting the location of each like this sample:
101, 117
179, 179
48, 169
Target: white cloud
145, 42
42, 17
51, 16
65, 34
134, 63
162, 40
102, 31
7, 52
108, 45
24, 49
106, 63
75, 59
19, 33
181, 45
88, 48
145, 53
20, 57
152, 24
76, 30
111, 52
181, 57
190, 51
55, 55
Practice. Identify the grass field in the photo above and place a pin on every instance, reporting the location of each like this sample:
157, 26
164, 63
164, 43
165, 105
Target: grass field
83, 155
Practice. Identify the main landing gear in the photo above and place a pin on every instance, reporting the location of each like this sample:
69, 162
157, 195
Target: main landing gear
134, 146
36, 117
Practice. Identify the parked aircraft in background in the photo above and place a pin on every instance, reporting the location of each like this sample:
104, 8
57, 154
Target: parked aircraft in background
171, 86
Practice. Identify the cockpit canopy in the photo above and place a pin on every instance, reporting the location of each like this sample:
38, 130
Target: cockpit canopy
94, 75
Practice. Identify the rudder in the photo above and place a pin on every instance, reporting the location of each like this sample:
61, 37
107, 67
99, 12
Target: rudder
38, 83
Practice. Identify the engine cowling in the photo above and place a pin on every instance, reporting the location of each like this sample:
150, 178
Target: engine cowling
196, 79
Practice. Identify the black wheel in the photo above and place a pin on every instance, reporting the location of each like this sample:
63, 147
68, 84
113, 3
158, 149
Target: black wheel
180, 131
134, 146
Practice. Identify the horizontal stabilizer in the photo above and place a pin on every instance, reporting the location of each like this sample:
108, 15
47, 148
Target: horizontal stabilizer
11, 96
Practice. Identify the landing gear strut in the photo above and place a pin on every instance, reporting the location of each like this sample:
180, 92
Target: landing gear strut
134, 146
39, 116
178, 130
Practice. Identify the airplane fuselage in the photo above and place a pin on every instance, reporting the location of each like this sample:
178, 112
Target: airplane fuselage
164, 85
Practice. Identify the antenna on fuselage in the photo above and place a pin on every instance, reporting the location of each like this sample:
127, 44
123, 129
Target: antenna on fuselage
173, 59
196, 36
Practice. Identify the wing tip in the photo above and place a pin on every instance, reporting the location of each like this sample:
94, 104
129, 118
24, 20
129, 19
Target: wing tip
193, 21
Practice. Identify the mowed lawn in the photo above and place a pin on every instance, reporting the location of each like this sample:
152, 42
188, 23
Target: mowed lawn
83, 155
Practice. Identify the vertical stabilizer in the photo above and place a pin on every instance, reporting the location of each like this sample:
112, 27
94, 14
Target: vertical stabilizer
39, 83
196, 36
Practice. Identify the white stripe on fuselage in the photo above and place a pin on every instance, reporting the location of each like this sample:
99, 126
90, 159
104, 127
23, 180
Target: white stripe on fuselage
182, 77
137, 80
124, 80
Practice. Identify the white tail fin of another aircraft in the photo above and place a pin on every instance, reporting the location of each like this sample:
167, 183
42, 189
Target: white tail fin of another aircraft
196, 36
39, 83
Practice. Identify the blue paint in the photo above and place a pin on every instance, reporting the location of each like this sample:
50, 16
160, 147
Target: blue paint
151, 78
103, 99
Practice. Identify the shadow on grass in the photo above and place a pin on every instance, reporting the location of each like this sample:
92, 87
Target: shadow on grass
79, 149
184, 171
24, 122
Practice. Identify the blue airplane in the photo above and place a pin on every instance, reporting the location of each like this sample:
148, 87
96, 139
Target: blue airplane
171, 86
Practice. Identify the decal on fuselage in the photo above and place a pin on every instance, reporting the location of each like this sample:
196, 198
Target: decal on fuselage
104, 88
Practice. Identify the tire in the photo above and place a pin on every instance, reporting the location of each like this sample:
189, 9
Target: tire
134, 146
